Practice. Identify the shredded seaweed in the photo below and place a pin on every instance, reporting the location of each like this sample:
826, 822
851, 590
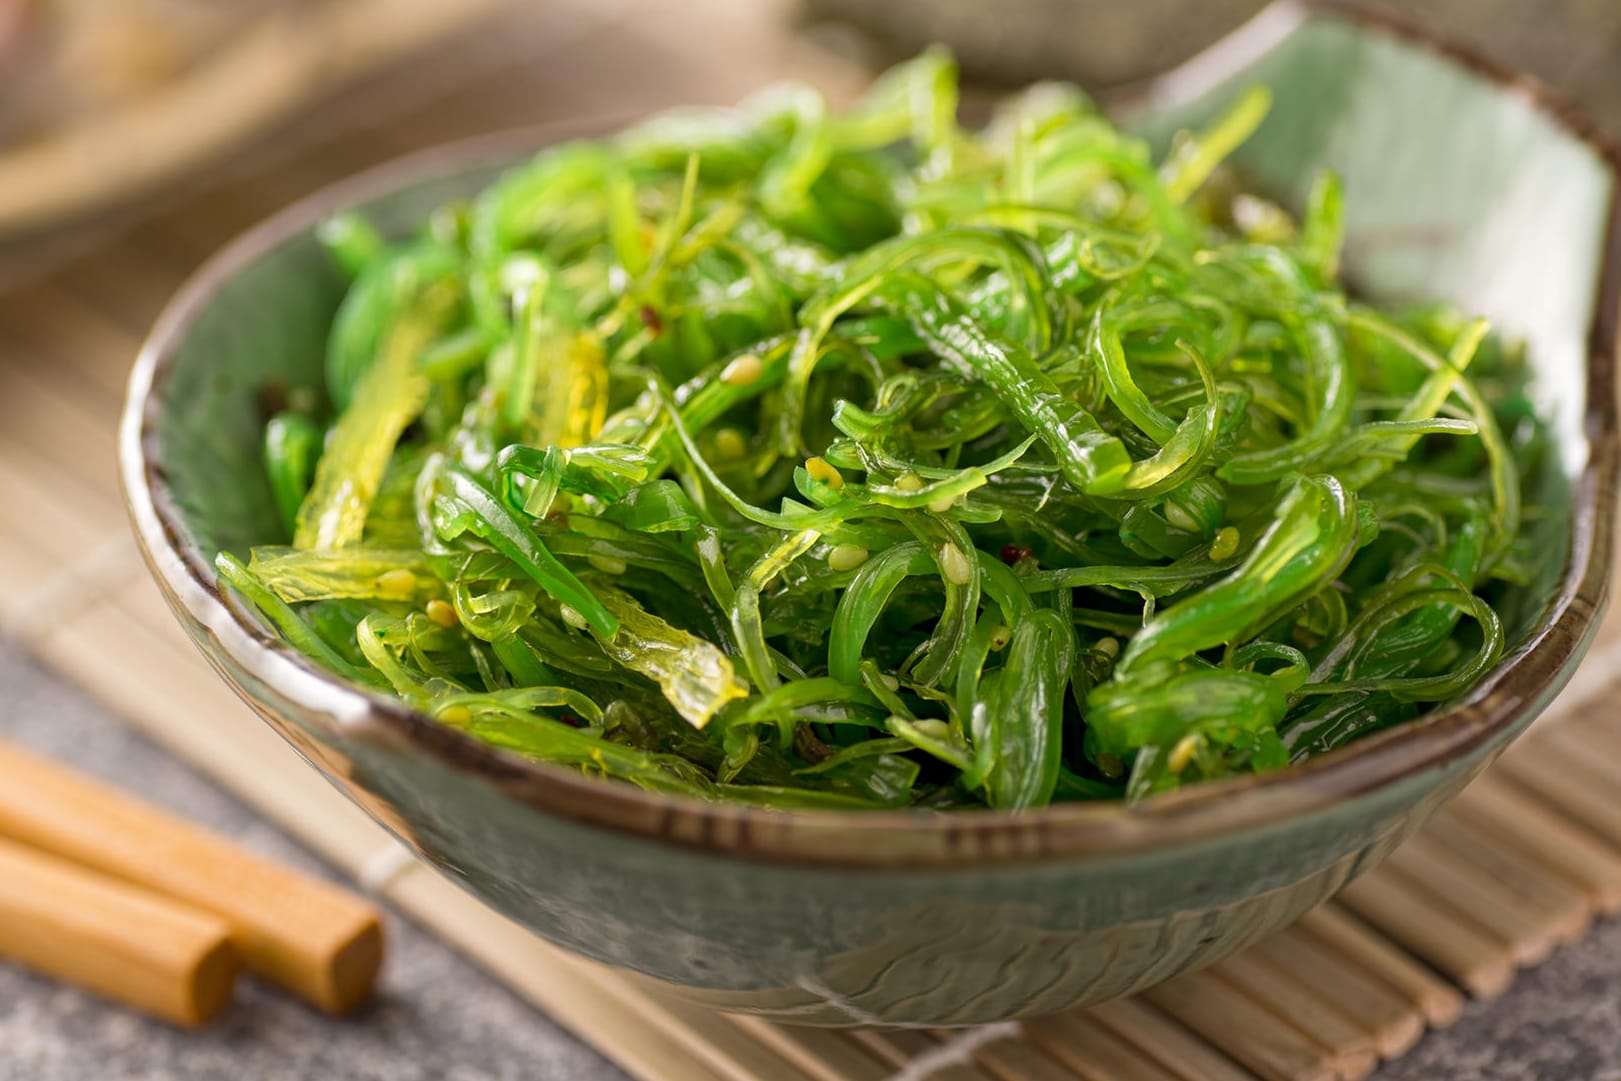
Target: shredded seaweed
815, 460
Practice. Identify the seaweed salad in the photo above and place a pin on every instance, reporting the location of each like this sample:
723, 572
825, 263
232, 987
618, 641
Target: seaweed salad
864, 460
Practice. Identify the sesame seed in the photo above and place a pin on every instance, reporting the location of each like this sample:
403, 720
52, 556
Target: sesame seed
1225, 544
955, 566
846, 557
909, 482
397, 583
743, 371
607, 564
730, 445
442, 613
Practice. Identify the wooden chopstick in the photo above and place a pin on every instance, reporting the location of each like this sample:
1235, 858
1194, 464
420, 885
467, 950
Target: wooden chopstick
321, 943
131, 945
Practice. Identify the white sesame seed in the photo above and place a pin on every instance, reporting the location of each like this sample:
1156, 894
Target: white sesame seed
607, 564
730, 445
442, 613
846, 557
398, 582
743, 371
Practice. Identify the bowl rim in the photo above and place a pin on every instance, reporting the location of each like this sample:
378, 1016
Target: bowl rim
898, 839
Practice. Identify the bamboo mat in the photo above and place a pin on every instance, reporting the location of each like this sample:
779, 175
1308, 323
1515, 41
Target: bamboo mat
1520, 864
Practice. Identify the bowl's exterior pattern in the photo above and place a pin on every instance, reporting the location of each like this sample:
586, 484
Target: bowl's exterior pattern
851, 920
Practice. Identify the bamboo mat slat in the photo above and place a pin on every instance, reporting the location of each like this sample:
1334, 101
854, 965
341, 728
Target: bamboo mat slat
1380, 1011
1562, 905
1266, 1044
824, 1054
1521, 863
1544, 835
1155, 1036
1089, 1049
1308, 1005
1438, 1002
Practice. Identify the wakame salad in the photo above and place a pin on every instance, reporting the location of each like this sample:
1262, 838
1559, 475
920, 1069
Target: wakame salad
863, 460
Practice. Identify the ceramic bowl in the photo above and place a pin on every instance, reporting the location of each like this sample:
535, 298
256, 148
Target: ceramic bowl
1464, 183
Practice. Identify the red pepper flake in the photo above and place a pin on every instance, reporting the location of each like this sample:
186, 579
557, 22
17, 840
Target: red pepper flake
651, 320
1012, 553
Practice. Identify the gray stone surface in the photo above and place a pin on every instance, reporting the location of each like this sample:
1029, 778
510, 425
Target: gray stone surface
438, 1018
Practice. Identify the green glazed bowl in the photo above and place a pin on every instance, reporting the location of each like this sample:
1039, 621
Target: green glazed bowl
1463, 183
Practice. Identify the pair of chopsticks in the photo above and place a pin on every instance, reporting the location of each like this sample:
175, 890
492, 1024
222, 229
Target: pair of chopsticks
101, 890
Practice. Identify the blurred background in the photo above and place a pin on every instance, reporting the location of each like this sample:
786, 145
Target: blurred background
114, 111
1570, 43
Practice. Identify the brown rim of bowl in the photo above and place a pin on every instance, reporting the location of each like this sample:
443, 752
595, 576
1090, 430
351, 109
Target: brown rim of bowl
1534, 669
